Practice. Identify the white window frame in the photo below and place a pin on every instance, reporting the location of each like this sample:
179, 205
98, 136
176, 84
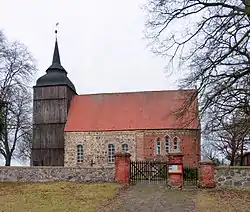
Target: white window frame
79, 152
111, 153
124, 147
158, 146
167, 144
176, 147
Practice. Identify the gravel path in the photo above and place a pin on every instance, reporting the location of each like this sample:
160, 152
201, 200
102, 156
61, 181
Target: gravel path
154, 198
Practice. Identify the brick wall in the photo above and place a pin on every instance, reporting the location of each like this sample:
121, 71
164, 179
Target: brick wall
189, 144
49, 174
233, 176
141, 145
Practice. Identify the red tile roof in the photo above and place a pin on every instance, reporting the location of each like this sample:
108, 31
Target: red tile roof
130, 111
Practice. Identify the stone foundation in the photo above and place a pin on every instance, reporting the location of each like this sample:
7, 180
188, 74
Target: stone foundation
50, 174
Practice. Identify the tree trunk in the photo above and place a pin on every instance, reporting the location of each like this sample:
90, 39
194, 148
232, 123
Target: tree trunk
241, 155
232, 159
247, 8
8, 160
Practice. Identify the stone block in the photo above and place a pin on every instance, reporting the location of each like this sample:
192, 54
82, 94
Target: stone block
234, 176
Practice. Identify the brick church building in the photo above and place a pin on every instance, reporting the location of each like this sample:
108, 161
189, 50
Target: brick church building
86, 130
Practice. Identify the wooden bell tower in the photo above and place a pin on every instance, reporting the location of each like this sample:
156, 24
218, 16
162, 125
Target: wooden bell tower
52, 96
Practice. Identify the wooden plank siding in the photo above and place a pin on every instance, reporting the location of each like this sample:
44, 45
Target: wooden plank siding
50, 108
246, 159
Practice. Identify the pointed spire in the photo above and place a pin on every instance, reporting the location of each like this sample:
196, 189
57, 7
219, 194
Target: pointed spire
56, 62
56, 56
55, 74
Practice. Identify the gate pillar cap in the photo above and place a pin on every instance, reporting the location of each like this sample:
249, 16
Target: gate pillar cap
206, 161
122, 154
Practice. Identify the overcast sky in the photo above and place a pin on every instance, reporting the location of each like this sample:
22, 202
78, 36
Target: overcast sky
101, 43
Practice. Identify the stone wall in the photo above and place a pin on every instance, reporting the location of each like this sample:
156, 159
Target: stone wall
49, 174
141, 146
95, 147
232, 176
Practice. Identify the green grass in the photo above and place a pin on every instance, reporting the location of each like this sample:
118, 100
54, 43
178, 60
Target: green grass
230, 200
57, 196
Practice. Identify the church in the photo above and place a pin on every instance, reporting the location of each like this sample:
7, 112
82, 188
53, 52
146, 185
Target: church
86, 130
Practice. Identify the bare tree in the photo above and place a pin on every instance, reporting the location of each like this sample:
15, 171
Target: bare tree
17, 123
16, 71
209, 38
232, 139
209, 151
24, 146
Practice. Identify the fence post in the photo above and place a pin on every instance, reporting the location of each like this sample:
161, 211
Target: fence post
175, 170
122, 167
206, 174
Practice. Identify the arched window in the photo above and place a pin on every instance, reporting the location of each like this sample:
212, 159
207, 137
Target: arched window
158, 147
111, 153
125, 147
167, 144
79, 153
176, 144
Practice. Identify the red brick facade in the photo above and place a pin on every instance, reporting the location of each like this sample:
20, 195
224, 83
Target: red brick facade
122, 168
188, 141
207, 174
175, 177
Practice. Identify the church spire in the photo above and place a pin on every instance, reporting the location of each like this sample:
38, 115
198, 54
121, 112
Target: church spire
56, 56
56, 62
55, 75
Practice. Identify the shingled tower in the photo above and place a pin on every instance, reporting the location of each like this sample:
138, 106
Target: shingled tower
52, 96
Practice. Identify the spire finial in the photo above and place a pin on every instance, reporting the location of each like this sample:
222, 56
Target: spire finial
56, 56
56, 29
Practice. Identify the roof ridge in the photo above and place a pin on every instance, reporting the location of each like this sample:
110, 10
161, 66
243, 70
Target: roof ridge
132, 92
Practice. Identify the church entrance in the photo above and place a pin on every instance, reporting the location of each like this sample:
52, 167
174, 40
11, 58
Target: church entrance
151, 172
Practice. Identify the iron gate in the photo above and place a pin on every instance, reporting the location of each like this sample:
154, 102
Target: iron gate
190, 176
148, 171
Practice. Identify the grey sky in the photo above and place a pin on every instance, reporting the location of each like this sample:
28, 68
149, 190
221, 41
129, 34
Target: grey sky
100, 42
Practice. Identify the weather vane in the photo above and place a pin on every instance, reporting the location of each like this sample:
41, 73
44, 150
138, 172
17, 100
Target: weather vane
56, 28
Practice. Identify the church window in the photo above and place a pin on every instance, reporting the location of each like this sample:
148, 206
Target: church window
167, 146
111, 153
80, 153
158, 147
176, 145
125, 147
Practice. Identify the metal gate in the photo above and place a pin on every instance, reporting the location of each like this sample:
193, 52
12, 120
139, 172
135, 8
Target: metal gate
190, 176
149, 172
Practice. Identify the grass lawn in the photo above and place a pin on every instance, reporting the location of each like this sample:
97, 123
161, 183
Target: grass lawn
56, 196
226, 200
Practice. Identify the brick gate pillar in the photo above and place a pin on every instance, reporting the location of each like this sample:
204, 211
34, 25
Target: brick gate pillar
122, 168
206, 174
175, 170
